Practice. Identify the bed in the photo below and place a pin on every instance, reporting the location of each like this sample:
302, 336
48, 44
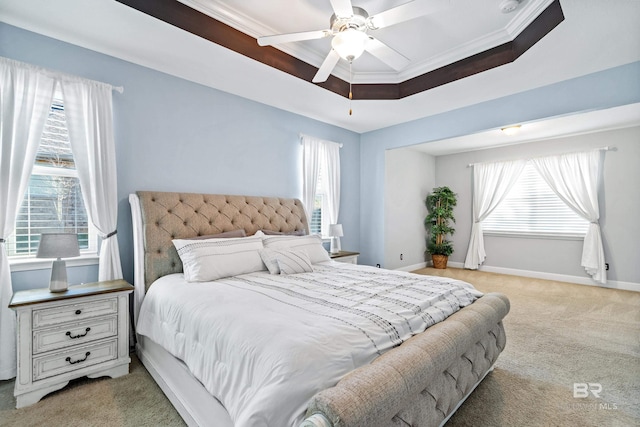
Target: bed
418, 383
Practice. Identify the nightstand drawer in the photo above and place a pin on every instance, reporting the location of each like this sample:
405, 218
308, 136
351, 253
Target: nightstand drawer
74, 334
74, 312
75, 359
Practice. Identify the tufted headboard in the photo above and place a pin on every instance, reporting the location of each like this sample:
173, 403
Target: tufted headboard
167, 216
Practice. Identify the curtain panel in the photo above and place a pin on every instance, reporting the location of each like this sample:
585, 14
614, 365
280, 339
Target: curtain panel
311, 148
574, 178
25, 98
332, 178
491, 183
89, 111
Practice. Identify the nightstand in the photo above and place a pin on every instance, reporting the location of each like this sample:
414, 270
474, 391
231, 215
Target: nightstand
346, 257
83, 331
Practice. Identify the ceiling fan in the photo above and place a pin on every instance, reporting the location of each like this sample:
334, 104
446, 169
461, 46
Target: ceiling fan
349, 26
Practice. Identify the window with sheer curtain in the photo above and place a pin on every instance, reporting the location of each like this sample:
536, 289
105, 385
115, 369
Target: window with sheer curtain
321, 183
532, 208
53, 199
319, 223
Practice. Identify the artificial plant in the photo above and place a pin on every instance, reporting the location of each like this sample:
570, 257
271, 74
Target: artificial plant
440, 203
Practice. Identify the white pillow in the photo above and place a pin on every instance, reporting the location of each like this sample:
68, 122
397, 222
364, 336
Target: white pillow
292, 262
212, 259
285, 261
311, 244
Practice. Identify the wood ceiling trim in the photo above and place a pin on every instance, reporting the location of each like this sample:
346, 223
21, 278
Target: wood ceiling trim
182, 16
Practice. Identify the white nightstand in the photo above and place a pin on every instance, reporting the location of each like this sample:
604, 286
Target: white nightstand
346, 257
83, 331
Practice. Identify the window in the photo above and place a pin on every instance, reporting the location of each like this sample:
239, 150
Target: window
319, 217
53, 199
320, 183
532, 208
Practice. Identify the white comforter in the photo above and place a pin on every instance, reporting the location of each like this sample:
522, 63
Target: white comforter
265, 344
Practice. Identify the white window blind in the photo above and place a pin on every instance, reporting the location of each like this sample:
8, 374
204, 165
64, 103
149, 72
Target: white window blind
53, 199
532, 208
319, 219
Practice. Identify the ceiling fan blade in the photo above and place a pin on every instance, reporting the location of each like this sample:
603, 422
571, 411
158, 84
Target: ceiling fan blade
327, 66
293, 37
384, 53
342, 8
406, 12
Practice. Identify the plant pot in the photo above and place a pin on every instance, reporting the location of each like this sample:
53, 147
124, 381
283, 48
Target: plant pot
439, 261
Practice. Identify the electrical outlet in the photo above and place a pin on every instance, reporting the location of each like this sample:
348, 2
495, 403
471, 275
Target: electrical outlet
401, 257
606, 264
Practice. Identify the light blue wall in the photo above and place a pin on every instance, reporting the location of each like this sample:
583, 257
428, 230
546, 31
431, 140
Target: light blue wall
247, 147
610, 88
175, 135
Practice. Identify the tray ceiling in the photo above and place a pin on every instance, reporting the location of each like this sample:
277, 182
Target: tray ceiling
594, 36
462, 38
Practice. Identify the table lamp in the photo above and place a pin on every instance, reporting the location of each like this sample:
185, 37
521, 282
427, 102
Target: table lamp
58, 245
335, 232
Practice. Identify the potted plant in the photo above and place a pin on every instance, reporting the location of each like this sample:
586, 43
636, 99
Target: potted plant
440, 204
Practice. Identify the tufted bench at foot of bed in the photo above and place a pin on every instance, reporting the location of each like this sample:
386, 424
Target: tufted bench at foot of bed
423, 381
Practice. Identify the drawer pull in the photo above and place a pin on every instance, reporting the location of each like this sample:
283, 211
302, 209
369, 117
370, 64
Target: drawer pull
79, 335
68, 359
78, 311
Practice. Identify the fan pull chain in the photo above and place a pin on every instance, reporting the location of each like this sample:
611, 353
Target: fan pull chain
350, 93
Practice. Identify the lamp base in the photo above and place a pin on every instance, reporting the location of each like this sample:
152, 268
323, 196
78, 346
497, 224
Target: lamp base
335, 245
58, 281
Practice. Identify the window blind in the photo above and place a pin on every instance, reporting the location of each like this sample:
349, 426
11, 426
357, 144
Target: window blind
532, 208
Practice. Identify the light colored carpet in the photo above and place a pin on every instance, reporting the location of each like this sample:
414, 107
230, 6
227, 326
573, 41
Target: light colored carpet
558, 334
133, 400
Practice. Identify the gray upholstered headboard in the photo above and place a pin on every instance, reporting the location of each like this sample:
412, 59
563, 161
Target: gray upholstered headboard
167, 216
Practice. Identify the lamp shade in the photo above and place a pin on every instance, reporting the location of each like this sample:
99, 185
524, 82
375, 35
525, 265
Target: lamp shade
335, 230
58, 245
349, 44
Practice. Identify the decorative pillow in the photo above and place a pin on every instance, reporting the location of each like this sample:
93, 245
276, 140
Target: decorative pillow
212, 259
293, 261
311, 244
223, 235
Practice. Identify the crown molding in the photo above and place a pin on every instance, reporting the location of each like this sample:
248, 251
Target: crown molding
194, 17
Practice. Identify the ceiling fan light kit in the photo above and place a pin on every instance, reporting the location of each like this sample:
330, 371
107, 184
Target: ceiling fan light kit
349, 26
349, 44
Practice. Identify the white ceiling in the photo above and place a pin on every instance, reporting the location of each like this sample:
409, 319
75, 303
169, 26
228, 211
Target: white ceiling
458, 30
594, 36
592, 121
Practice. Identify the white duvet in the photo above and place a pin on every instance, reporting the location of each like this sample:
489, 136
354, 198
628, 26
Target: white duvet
265, 344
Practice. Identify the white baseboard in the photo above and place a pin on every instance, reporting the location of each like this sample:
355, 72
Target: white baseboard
412, 267
612, 284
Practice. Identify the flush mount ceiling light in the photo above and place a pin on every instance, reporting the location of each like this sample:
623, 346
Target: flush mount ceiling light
510, 130
508, 6
349, 26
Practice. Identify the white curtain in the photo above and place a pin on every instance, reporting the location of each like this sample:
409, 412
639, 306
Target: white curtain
491, 183
25, 99
311, 148
574, 178
89, 112
319, 156
331, 152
